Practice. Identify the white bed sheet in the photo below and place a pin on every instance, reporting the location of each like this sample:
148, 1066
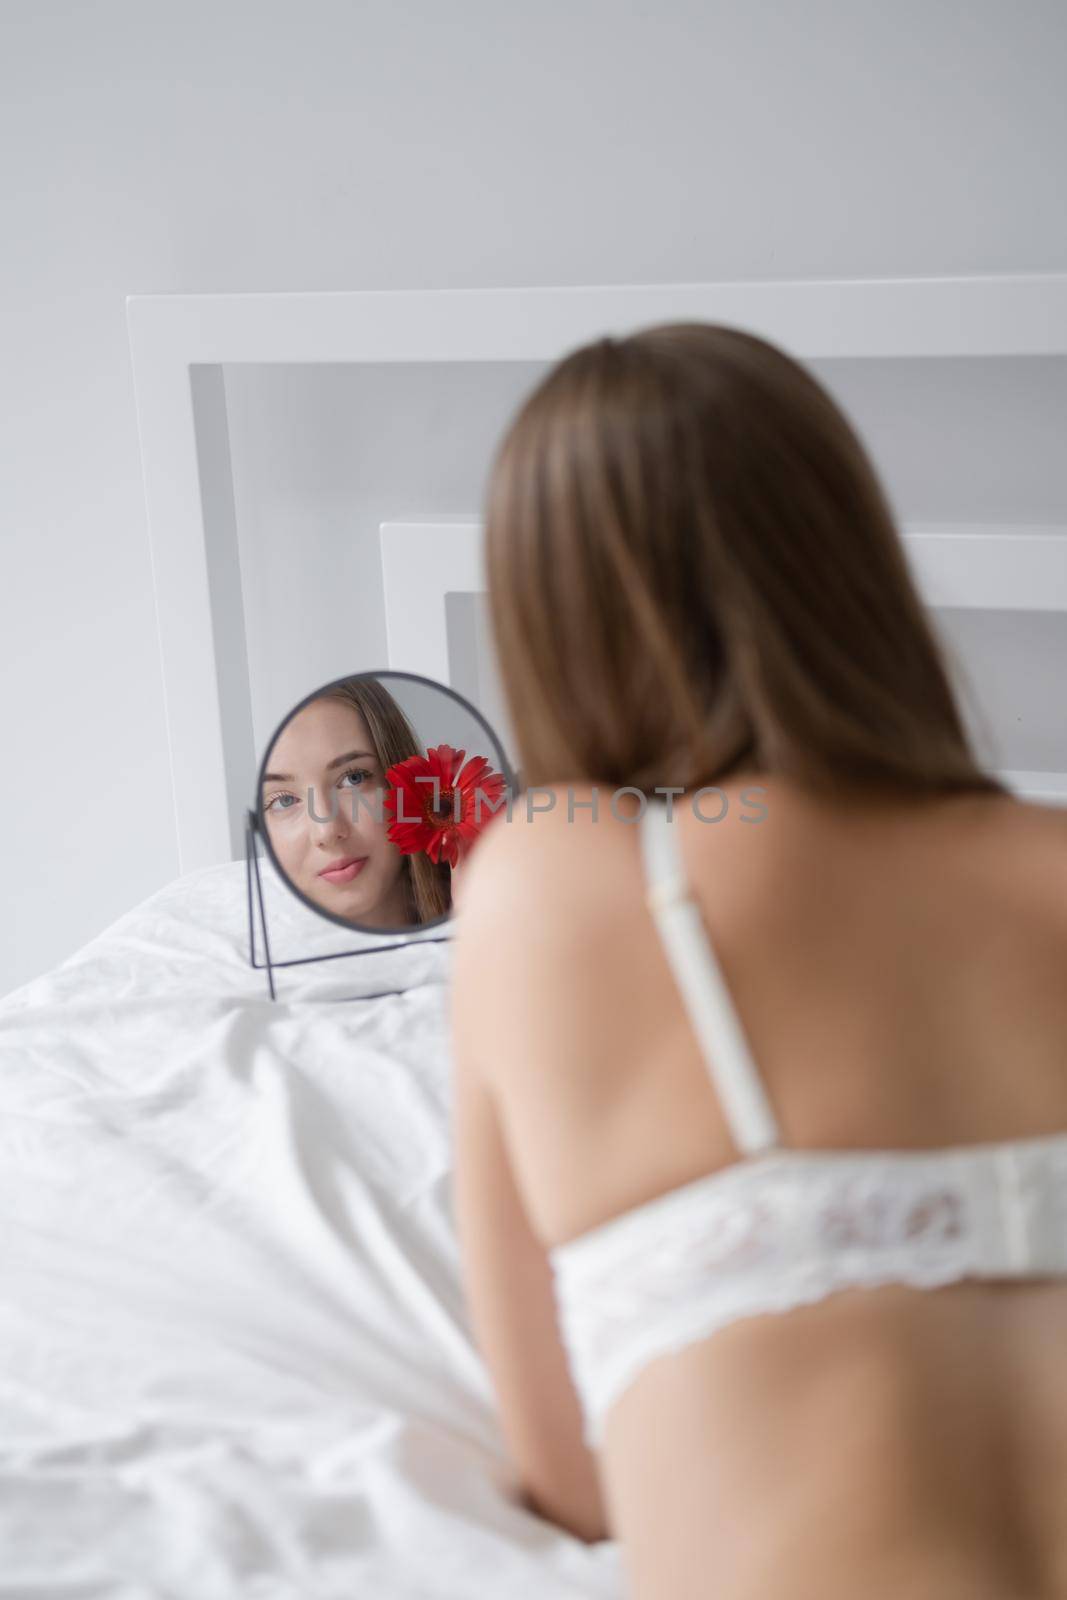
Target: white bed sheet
234, 1359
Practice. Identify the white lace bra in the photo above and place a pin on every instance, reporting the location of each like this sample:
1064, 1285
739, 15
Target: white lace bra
783, 1228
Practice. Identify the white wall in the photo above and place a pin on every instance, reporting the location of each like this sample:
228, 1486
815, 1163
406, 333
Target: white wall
248, 144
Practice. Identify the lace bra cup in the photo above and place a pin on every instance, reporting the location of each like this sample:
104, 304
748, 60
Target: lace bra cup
784, 1228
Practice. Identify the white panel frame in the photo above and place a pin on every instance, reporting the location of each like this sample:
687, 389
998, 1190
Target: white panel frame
421, 563
1009, 568
991, 569
1024, 314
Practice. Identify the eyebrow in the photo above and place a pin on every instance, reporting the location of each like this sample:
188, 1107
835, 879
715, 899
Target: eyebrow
338, 761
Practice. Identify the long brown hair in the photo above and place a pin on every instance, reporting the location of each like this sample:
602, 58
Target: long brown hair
427, 884
692, 565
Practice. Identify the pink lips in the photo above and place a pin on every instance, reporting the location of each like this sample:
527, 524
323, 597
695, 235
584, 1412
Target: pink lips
343, 871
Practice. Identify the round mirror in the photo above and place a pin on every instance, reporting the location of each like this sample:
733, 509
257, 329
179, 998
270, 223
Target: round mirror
372, 794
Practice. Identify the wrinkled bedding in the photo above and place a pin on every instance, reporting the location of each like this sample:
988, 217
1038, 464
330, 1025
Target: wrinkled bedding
234, 1359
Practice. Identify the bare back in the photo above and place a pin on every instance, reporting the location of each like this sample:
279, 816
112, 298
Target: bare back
901, 976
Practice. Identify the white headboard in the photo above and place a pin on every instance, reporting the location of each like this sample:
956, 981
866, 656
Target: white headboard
219, 596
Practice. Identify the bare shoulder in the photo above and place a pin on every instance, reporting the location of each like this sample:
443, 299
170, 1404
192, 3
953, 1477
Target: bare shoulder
1022, 840
1046, 826
558, 972
544, 861
533, 931
569, 860
1039, 834
566, 868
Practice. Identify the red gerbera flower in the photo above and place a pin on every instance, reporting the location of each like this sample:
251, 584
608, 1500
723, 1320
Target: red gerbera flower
443, 818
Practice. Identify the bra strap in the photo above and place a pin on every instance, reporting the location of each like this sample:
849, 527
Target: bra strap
703, 988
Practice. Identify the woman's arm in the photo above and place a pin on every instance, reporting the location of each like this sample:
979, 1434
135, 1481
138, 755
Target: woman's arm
508, 1281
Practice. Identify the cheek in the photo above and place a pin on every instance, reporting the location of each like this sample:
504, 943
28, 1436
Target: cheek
287, 837
385, 853
374, 823
379, 843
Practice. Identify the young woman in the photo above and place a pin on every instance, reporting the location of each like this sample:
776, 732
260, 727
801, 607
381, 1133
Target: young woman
760, 1092
338, 850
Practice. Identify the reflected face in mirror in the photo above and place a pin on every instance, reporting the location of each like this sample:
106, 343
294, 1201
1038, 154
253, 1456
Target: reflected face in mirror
372, 794
322, 802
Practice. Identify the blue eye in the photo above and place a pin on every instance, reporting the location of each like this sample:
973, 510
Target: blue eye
272, 806
355, 772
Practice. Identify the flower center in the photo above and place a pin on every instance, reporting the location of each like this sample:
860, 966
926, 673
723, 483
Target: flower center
443, 811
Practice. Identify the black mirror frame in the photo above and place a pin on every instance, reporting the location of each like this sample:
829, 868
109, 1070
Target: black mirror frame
256, 826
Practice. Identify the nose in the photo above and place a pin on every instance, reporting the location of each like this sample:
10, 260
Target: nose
327, 821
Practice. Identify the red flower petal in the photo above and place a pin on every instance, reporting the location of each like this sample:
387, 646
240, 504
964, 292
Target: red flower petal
446, 832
